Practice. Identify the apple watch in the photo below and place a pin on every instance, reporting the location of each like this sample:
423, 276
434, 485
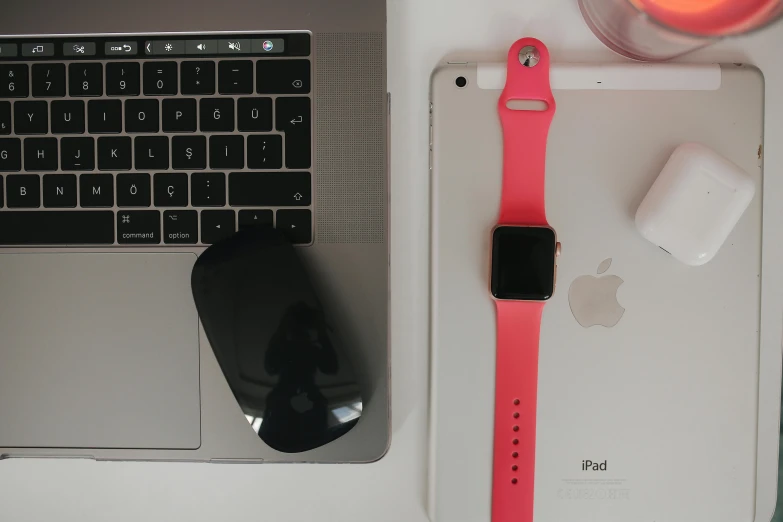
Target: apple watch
524, 256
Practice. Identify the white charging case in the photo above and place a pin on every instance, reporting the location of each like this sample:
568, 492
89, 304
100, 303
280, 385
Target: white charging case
695, 203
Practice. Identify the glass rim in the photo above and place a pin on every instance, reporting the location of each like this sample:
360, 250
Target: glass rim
774, 18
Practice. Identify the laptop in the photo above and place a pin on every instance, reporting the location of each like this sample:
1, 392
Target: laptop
132, 137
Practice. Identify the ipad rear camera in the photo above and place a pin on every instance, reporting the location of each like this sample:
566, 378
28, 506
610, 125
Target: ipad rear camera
461, 82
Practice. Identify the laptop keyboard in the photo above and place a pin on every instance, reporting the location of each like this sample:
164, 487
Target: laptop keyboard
154, 141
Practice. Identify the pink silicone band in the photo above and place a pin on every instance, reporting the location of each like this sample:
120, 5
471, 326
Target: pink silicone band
525, 135
516, 387
523, 202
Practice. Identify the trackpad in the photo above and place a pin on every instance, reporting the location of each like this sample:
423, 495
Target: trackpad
98, 351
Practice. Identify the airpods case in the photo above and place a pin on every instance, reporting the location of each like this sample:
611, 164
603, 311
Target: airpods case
694, 204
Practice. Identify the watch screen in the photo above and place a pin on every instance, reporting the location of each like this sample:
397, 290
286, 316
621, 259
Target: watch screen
523, 263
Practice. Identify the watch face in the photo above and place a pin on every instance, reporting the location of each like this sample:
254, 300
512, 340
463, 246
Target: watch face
523, 263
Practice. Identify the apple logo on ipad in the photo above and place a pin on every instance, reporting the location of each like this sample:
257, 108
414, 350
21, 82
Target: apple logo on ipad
593, 300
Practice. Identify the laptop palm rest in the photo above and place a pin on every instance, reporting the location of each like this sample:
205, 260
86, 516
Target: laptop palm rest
98, 350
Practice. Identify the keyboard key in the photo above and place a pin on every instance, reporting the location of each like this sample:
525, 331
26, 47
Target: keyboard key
10, 154
96, 190
298, 44
201, 46
152, 153
114, 153
268, 46
163, 47
9, 50
235, 46
49, 80
23, 190
208, 189
226, 152
293, 118
139, 227
77, 153
254, 114
37, 50
123, 79
142, 116
40, 154
31, 117
14, 82
198, 77
255, 218
67, 117
127, 48
5, 118
283, 77
179, 115
217, 225
133, 190
269, 189
189, 152
2, 196
296, 225
79, 49
104, 116
171, 190
180, 227
217, 114
160, 78
265, 152
70, 227
59, 190
235, 77
85, 79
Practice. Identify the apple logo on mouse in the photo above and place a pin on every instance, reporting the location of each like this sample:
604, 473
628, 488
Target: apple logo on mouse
301, 403
593, 300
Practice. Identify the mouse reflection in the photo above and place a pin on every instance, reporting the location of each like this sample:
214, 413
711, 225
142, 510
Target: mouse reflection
298, 416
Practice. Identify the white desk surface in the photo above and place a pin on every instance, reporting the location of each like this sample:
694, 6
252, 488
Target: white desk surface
421, 33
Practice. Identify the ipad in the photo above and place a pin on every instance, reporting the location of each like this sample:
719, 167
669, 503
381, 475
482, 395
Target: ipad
658, 382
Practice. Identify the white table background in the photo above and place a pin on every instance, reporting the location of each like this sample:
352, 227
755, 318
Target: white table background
421, 33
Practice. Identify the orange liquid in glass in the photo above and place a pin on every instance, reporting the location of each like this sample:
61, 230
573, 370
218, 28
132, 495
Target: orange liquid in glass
710, 17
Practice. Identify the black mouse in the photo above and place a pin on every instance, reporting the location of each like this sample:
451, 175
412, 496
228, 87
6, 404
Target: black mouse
272, 338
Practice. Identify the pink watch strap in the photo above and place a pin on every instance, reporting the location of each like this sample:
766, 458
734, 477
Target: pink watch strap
516, 387
525, 135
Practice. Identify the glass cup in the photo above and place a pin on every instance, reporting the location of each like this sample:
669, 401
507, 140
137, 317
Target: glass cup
656, 30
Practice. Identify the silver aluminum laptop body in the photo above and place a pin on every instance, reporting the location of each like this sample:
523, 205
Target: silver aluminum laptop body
101, 351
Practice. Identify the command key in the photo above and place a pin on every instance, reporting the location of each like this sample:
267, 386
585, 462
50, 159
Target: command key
138, 227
